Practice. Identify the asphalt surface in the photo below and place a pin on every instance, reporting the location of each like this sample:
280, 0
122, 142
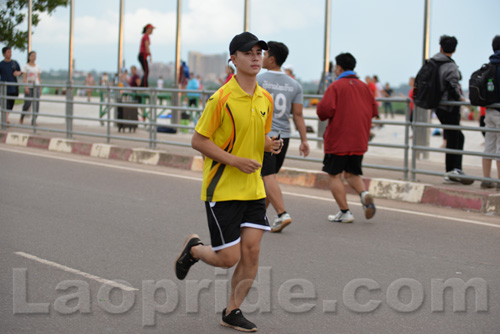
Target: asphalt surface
71, 222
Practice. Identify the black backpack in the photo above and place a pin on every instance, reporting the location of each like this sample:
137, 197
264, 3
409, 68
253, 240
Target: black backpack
427, 91
484, 86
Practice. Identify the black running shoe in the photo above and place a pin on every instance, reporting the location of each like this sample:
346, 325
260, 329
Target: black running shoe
236, 320
185, 260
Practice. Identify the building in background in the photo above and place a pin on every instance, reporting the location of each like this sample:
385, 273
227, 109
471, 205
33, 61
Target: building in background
210, 67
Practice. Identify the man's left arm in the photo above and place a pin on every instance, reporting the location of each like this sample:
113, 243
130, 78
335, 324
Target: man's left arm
300, 125
273, 144
17, 69
454, 91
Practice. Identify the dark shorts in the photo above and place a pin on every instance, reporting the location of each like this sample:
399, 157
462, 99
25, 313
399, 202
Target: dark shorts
336, 164
226, 219
272, 162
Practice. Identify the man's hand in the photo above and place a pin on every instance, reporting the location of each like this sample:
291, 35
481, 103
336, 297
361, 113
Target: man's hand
304, 149
17, 73
277, 144
246, 165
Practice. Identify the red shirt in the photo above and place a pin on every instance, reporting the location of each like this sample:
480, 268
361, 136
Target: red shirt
229, 76
349, 106
410, 95
144, 39
482, 111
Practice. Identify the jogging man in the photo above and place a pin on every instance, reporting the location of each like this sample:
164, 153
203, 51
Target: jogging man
231, 133
287, 96
349, 107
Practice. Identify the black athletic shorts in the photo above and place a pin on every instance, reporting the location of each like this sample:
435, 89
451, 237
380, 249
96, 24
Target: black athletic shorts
272, 162
225, 220
336, 164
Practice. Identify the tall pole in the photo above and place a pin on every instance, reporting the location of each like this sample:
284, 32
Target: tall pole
427, 24
177, 96
178, 43
30, 5
326, 55
69, 86
421, 134
70, 52
246, 14
326, 61
120, 38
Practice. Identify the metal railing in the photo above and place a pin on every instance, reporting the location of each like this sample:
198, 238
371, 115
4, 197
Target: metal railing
149, 102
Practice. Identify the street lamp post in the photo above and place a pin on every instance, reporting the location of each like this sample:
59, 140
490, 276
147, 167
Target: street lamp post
30, 5
69, 86
177, 96
422, 135
120, 38
246, 13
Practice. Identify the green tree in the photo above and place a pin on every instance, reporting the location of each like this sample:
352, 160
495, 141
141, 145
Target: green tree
14, 12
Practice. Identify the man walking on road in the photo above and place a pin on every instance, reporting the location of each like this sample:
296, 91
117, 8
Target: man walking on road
349, 107
288, 98
231, 134
9, 71
449, 78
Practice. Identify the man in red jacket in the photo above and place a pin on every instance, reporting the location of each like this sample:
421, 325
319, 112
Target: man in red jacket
349, 107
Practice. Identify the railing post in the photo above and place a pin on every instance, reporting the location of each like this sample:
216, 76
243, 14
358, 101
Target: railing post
422, 134
108, 116
69, 110
407, 138
3, 104
35, 106
413, 151
152, 121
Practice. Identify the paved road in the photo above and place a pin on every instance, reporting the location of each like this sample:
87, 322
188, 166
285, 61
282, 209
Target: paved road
71, 223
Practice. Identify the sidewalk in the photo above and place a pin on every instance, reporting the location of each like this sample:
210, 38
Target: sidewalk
382, 183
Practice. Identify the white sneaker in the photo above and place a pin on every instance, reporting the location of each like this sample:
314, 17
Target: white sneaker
281, 222
341, 217
368, 204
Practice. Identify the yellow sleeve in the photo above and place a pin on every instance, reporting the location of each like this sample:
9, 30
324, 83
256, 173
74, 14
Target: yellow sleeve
270, 108
211, 117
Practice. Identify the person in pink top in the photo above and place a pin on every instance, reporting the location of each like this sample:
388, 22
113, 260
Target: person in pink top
145, 52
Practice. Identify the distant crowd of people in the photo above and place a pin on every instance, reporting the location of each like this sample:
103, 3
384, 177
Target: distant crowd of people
244, 133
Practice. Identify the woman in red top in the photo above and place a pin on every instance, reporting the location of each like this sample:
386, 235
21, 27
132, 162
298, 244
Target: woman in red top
144, 53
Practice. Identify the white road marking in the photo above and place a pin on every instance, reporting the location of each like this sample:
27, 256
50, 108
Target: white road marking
77, 272
467, 221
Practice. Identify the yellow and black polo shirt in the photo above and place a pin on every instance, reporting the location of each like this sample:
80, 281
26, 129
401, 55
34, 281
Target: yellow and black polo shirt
238, 123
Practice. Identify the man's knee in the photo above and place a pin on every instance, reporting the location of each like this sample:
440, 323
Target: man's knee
229, 257
230, 260
348, 175
250, 253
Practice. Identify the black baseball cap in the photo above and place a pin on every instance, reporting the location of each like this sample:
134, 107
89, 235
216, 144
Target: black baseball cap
245, 42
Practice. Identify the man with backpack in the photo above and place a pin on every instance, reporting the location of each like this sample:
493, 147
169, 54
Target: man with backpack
492, 120
449, 77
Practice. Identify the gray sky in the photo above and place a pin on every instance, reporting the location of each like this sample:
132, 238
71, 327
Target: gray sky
385, 36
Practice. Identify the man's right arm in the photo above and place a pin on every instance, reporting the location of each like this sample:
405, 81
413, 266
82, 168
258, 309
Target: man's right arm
207, 147
326, 106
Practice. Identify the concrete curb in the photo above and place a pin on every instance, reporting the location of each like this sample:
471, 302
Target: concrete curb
470, 200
